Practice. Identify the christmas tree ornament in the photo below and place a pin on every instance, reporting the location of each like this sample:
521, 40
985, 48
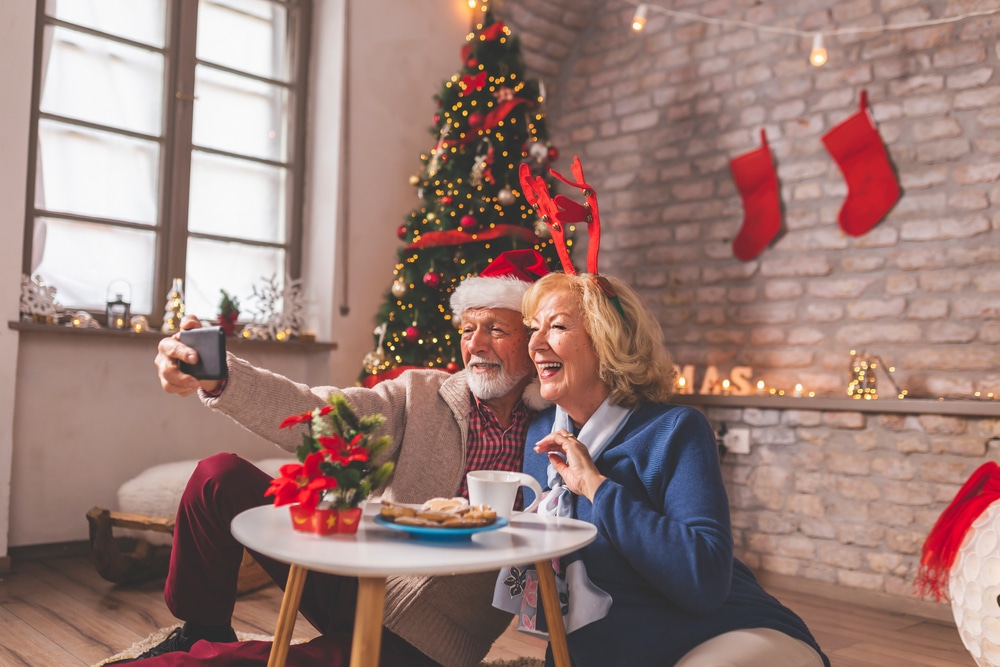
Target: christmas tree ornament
542, 229
872, 187
475, 119
399, 289
553, 153
757, 182
505, 197
401, 232
467, 223
452, 367
446, 200
432, 279
373, 360
414, 179
431, 216
411, 334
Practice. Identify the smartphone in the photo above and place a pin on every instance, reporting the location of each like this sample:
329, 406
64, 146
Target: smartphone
210, 344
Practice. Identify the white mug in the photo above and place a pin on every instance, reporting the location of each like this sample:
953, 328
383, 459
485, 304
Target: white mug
498, 489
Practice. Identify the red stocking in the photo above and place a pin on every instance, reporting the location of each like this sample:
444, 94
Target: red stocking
872, 188
758, 185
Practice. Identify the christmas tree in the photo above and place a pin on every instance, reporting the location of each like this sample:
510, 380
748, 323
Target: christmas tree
490, 120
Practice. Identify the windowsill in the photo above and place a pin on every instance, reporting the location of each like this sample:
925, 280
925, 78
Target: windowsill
909, 406
234, 342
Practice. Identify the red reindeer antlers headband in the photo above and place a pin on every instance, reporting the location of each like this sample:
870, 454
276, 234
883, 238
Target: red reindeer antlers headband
562, 210
558, 212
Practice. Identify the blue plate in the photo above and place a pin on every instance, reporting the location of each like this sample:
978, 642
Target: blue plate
433, 533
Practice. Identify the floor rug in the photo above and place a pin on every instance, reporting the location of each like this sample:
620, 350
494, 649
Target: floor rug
161, 634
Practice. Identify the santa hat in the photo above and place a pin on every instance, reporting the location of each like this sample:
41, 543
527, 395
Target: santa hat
502, 284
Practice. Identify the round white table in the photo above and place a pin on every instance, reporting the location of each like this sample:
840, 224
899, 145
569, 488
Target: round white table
377, 552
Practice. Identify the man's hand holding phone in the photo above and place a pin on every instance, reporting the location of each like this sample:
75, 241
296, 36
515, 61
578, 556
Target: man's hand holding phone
191, 359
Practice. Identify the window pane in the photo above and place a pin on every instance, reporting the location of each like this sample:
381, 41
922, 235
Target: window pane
246, 35
103, 82
212, 266
239, 115
98, 174
237, 198
138, 20
81, 260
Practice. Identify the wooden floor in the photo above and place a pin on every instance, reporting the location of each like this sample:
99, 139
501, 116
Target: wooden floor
57, 612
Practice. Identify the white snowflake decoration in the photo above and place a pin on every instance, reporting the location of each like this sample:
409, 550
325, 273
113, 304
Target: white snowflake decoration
38, 300
279, 313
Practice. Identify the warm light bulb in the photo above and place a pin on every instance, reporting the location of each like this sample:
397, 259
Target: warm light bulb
639, 19
473, 3
818, 54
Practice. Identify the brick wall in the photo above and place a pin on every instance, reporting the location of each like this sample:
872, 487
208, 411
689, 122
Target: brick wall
838, 497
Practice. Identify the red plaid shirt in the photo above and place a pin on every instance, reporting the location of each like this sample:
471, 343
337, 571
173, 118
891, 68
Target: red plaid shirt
491, 446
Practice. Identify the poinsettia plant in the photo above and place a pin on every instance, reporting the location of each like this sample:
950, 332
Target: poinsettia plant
337, 455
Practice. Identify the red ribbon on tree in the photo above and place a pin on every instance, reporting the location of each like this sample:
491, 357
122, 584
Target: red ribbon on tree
945, 539
471, 84
455, 237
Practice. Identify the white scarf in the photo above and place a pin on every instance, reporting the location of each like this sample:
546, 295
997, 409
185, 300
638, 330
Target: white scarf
516, 587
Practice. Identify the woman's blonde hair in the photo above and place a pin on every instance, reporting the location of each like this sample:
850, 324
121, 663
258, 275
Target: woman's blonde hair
625, 335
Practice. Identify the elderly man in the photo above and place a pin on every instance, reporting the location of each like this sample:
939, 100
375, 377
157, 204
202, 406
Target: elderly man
441, 426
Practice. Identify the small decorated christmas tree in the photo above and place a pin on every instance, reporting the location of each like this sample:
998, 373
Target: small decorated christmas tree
489, 121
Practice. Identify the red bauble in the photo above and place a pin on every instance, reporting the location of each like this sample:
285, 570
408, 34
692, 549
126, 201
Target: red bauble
452, 367
553, 153
446, 200
468, 223
432, 279
475, 119
472, 63
437, 118
411, 333
401, 232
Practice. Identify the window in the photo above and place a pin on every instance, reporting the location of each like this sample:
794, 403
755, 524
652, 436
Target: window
168, 141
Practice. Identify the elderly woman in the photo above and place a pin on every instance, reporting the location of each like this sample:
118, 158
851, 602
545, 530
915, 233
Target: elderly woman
659, 586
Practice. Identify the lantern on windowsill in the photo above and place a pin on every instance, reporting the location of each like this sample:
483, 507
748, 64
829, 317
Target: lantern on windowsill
117, 309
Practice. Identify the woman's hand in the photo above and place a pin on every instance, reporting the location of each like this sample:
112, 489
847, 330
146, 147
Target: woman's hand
169, 353
572, 461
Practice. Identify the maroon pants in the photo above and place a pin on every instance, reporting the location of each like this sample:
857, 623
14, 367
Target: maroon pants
204, 567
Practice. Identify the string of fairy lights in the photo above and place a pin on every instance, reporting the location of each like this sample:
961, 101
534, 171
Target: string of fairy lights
818, 54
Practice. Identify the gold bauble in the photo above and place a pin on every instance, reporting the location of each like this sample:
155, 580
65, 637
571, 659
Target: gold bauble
414, 180
399, 289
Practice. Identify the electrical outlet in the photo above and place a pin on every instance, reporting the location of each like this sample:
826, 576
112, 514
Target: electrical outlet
737, 440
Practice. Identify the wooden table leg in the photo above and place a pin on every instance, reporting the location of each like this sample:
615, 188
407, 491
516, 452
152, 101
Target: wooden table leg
553, 615
367, 642
286, 616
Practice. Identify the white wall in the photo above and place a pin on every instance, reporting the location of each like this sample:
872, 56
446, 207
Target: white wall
88, 413
16, 30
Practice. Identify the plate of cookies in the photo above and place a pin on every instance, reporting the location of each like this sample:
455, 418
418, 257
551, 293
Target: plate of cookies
439, 518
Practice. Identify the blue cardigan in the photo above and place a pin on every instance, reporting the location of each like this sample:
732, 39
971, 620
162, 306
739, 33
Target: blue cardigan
664, 548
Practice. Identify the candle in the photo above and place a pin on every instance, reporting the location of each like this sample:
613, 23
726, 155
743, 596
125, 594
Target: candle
681, 385
760, 387
725, 387
798, 391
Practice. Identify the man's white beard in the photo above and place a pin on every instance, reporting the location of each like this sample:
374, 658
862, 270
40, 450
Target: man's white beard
495, 384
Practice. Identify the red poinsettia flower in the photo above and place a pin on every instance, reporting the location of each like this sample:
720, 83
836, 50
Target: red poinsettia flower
304, 417
301, 483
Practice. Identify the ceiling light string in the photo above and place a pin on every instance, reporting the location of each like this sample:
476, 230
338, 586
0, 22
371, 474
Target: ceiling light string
817, 55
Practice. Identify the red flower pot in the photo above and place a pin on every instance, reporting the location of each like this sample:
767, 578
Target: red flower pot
325, 521
302, 518
336, 522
